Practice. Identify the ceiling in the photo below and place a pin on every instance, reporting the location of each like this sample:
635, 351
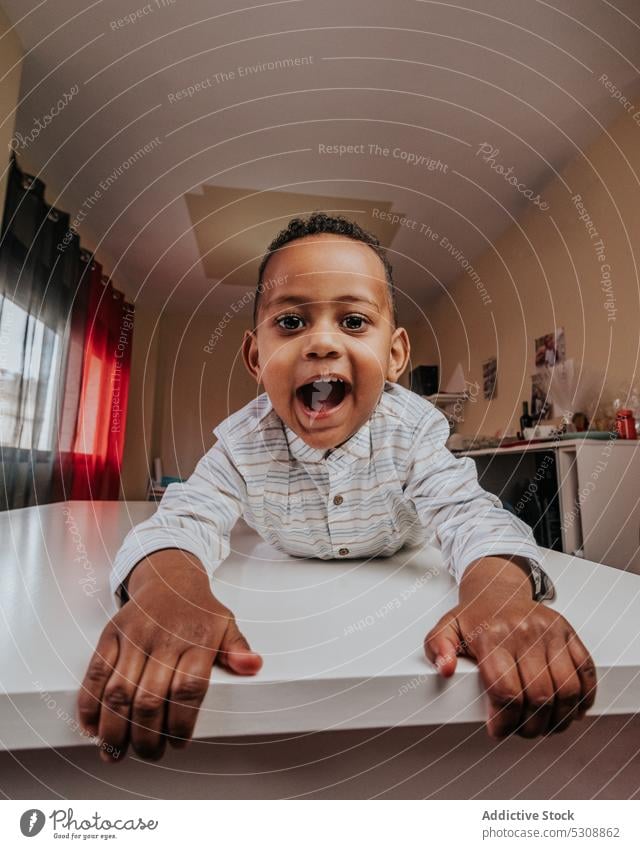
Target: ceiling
198, 181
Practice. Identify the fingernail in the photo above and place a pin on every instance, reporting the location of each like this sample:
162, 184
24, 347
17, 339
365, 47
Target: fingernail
105, 756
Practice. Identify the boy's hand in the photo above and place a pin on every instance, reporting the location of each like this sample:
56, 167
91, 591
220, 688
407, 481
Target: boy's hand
150, 671
538, 675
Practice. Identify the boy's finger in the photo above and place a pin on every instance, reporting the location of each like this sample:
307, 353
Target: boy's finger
95, 680
586, 670
538, 691
236, 654
442, 645
188, 688
150, 705
566, 683
117, 701
501, 680
445, 657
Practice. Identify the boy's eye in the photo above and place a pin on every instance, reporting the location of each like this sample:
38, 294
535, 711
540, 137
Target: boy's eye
288, 322
354, 322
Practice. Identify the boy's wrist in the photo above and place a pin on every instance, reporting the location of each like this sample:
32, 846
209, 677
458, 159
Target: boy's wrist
496, 575
172, 567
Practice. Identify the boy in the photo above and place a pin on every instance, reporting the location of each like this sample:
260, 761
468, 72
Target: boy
335, 459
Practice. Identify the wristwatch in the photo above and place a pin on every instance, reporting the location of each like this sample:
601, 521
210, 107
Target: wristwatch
543, 587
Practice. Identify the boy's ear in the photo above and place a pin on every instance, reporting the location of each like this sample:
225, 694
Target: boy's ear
399, 353
250, 354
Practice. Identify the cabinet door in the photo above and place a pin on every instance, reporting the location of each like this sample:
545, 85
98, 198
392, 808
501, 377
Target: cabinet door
609, 492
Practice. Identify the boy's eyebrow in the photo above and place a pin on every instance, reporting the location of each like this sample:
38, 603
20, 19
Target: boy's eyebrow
279, 300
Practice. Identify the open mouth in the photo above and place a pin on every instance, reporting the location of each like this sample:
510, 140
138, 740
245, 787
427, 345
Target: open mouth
322, 396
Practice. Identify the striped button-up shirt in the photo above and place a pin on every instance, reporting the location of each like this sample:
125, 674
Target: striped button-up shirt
393, 483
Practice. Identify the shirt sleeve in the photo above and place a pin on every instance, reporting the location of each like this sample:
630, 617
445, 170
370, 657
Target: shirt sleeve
467, 521
196, 516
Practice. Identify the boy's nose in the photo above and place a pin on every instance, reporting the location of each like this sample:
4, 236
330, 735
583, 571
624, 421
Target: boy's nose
322, 343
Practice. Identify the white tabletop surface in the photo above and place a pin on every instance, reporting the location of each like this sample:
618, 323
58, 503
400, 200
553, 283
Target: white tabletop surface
341, 639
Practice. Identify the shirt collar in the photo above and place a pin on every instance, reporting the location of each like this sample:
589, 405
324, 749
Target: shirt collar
357, 446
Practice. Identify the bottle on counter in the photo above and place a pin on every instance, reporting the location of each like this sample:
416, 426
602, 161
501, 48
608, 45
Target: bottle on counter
625, 424
525, 418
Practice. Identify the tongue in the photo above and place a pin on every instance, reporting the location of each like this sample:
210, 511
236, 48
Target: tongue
323, 395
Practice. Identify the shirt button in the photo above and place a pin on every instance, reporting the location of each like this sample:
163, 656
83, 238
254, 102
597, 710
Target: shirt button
338, 499
343, 552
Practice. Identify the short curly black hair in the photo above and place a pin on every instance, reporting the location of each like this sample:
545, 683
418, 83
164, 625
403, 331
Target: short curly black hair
320, 222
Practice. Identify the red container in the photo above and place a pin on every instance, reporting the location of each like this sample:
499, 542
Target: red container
625, 425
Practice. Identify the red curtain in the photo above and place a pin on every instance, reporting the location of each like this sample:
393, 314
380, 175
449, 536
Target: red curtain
102, 412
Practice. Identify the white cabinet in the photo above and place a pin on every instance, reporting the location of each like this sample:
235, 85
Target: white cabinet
598, 493
609, 500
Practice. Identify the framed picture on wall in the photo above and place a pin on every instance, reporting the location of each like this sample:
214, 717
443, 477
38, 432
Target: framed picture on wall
550, 348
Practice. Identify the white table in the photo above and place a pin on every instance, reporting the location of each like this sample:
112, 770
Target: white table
346, 702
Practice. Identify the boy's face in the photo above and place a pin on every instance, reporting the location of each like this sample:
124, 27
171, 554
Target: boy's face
324, 313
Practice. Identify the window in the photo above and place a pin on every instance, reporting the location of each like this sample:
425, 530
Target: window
29, 374
89, 435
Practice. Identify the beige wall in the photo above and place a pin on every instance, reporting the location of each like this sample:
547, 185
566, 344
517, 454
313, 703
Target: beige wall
11, 54
540, 276
196, 390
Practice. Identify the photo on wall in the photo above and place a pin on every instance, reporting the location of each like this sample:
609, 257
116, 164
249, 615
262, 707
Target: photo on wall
490, 378
550, 348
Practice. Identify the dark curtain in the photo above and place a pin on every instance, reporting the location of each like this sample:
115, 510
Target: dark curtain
46, 285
